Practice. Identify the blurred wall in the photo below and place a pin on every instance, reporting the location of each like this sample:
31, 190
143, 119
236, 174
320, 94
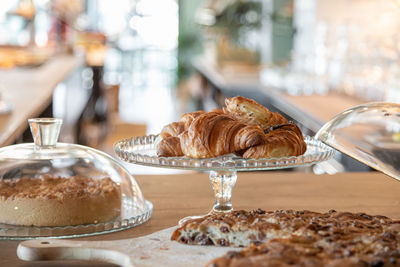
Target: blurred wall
189, 41
371, 17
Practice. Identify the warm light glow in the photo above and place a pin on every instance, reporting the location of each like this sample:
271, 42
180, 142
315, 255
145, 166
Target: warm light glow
95, 55
156, 26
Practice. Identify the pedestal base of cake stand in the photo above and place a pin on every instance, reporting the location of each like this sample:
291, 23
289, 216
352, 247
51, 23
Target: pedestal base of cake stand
222, 183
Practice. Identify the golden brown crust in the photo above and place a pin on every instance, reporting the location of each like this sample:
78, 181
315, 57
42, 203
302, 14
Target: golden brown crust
213, 134
252, 112
76, 187
188, 118
283, 142
307, 251
178, 127
170, 147
261, 226
297, 238
173, 129
238, 128
353, 241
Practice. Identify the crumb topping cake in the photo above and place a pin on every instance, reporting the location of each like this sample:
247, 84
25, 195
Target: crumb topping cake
297, 238
242, 228
56, 201
341, 250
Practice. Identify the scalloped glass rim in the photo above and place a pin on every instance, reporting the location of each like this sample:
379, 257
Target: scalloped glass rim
142, 151
14, 232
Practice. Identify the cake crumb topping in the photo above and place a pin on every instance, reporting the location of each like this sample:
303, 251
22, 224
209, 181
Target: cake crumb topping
57, 188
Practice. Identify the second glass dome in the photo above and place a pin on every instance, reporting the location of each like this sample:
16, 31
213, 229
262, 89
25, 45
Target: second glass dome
369, 133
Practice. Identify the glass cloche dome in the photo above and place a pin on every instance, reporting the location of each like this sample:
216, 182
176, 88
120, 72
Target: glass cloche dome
369, 133
50, 189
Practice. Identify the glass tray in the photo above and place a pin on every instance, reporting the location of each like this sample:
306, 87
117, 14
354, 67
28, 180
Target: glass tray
127, 220
223, 170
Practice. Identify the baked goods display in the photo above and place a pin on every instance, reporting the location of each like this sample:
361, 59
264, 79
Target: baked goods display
346, 250
242, 228
56, 201
52, 189
298, 238
243, 127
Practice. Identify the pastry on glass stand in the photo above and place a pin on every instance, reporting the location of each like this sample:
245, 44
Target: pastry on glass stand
243, 127
220, 141
287, 237
305, 238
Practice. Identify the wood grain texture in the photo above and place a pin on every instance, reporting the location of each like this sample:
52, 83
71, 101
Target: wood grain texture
177, 196
322, 107
30, 91
156, 249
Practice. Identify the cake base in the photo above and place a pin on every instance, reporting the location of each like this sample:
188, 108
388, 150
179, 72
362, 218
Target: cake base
58, 201
51, 212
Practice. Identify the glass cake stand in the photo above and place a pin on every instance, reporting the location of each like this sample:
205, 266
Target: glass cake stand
122, 222
223, 170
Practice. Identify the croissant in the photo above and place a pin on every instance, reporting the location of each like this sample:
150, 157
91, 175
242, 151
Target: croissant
176, 128
188, 118
252, 112
170, 147
173, 129
243, 127
284, 141
213, 134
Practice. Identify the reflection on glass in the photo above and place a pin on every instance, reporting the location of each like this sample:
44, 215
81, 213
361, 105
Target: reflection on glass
67, 168
369, 133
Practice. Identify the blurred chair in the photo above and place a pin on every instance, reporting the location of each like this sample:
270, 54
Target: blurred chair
118, 128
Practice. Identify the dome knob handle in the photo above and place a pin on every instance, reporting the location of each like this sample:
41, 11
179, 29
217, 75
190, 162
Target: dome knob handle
45, 131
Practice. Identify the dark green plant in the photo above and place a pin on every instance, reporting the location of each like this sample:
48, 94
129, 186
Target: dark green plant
239, 15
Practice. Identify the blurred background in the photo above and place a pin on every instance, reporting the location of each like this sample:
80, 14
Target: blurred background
117, 69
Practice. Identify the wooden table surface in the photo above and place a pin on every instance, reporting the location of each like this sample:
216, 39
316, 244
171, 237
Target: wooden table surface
320, 108
30, 90
177, 196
